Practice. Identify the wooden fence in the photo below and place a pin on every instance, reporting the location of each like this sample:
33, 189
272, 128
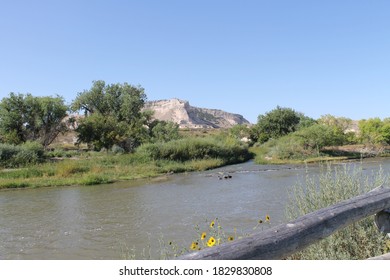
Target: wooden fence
282, 241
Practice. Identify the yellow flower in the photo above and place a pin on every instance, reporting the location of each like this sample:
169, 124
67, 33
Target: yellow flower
203, 236
194, 246
230, 238
212, 224
267, 218
211, 242
260, 221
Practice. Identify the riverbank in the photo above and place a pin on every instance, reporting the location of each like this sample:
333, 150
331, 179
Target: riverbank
327, 154
93, 169
60, 168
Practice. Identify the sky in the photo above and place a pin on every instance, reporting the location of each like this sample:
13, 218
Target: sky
245, 57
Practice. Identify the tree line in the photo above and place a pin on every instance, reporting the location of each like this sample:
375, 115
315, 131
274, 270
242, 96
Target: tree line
284, 133
112, 117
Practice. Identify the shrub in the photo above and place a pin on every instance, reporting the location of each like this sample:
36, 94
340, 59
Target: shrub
117, 149
229, 150
360, 240
17, 156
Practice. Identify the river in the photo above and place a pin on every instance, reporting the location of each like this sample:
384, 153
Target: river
135, 218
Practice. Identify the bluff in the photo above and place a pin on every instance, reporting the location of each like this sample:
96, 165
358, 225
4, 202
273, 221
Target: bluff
187, 116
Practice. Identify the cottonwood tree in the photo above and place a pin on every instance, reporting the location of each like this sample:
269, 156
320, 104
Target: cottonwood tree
112, 116
374, 131
29, 118
163, 131
274, 124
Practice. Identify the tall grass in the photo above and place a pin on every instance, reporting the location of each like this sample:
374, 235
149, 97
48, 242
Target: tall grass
86, 168
226, 149
360, 240
12, 156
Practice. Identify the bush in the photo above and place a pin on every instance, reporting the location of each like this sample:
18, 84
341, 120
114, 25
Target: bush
229, 150
22, 155
305, 143
360, 240
117, 150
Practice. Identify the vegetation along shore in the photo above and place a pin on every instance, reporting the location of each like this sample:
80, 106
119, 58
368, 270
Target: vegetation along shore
113, 138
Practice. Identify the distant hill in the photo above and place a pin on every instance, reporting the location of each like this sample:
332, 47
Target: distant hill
187, 116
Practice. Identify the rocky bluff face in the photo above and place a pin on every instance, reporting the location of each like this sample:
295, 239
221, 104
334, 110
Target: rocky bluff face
187, 116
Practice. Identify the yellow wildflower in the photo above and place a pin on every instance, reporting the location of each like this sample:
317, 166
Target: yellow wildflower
267, 218
203, 236
212, 224
260, 221
230, 238
211, 242
194, 246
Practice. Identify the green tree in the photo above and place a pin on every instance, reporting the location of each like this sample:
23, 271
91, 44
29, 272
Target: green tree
28, 118
240, 131
274, 124
162, 131
112, 116
339, 123
375, 131
319, 136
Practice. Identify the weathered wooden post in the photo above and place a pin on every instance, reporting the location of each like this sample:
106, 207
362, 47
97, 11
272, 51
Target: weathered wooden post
382, 220
283, 240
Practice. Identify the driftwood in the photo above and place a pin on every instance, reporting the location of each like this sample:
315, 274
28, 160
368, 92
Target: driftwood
283, 240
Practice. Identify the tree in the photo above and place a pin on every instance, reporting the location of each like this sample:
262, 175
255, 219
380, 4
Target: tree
162, 131
319, 136
112, 115
339, 123
274, 124
239, 131
375, 131
28, 118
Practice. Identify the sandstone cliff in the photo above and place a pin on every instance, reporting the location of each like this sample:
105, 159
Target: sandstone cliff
187, 116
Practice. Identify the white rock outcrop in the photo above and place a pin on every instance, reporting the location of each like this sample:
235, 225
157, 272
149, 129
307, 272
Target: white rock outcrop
187, 116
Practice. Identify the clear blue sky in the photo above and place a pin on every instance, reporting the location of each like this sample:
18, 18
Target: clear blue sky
246, 57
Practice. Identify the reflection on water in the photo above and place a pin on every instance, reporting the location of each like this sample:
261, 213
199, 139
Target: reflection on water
98, 222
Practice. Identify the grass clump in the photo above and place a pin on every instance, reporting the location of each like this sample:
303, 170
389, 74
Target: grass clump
360, 240
186, 149
12, 156
70, 167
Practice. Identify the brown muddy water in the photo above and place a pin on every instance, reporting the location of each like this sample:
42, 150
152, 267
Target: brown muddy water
134, 219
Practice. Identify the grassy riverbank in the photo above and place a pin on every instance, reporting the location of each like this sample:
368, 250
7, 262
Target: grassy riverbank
151, 160
270, 153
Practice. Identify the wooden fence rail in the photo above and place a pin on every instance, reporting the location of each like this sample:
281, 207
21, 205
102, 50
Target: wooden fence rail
284, 240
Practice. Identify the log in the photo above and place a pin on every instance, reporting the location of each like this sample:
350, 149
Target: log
282, 241
383, 257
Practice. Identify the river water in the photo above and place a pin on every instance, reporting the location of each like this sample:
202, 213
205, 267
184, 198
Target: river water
134, 219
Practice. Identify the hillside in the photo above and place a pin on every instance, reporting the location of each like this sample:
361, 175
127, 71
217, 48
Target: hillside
187, 116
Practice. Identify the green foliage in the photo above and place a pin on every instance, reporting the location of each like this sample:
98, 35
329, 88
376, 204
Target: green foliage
21, 155
240, 131
197, 148
162, 131
112, 116
305, 121
117, 150
360, 240
304, 143
28, 118
318, 136
275, 124
375, 131
339, 123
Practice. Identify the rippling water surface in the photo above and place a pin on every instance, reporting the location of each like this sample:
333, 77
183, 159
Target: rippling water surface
111, 221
